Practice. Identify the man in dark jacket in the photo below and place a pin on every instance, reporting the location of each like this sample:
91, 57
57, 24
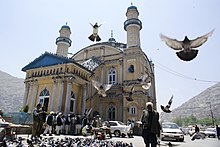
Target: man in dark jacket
151, 125
36, 121
49, 122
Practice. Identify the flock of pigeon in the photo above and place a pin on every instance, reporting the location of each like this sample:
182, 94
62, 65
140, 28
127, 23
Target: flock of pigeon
144, 80
66, 142
185, 51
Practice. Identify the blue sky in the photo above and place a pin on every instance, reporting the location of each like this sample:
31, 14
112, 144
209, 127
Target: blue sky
29, 28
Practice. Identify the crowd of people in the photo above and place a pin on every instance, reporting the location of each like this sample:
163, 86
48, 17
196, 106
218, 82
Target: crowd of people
69, 124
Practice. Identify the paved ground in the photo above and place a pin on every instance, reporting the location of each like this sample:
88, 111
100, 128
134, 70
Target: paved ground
137, 141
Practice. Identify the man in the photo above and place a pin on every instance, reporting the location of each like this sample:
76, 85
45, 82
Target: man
218, 132
151, 125
49, 121
197, 134
59, 121
36, 121
67, 124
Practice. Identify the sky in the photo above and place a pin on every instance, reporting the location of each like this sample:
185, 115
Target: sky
29, 28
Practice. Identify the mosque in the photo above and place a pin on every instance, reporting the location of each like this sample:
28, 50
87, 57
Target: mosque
63, 84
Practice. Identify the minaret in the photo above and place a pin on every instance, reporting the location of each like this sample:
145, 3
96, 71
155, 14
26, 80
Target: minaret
133, 26
63, 42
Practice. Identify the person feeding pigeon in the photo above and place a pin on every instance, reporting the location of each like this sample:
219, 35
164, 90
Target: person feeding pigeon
151, 125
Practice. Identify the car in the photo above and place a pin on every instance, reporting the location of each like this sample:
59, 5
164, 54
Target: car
171, 131
118, 128
210, 132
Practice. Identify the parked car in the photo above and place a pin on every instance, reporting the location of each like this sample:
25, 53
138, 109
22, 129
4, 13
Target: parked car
119, 129
171, 131
210, 132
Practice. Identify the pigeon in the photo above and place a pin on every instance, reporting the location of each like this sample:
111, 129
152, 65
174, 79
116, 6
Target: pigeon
145, 81
169, 144
102, 88
129, 98
185, 47
167, 107
95, 36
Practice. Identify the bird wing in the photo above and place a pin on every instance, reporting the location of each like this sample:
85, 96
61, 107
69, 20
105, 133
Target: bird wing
143, 78
170, 101
146, 86
106, 87
200, 40
96, 85
173, 43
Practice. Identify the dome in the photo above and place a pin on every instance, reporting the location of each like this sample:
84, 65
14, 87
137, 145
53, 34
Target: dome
111, 39
65, 27
132, 7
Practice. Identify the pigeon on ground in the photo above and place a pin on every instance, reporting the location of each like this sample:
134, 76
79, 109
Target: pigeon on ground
145, 81
185, 47
169, 144
129, 98
102, 88
95, 36
167, 107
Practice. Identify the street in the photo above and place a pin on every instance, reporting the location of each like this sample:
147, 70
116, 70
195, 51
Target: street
137, 141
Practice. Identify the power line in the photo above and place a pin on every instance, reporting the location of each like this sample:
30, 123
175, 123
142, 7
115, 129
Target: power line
175, 73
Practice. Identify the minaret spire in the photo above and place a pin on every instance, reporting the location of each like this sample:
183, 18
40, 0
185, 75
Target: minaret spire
63, 42
133, 26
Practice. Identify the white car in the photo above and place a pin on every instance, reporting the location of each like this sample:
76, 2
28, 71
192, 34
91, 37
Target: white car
119, 129
210, 132
171, 131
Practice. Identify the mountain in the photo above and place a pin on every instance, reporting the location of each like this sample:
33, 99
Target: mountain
11, 92
200, 106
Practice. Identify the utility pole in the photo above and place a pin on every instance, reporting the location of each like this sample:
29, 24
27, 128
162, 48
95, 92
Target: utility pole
211, 113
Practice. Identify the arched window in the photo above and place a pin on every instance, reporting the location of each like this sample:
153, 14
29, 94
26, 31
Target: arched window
72, 102
44, 98
132, 110
111, 113
112, 76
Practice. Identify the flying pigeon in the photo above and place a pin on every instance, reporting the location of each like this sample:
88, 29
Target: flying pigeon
102, 88
145, 81
185, 47
129, 98
95, 36
167, 107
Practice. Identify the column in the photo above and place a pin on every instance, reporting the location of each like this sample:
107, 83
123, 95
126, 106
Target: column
26, 93
60, 95
53, 95
121, 72
29, 94
34, 95
84, 95
68, 96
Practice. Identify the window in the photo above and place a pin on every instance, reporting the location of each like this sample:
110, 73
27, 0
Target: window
112, 76
132, 110
72, 102
111, 113
44, 98
131, 69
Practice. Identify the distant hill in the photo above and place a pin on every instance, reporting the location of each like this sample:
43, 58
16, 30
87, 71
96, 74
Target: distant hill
11, 92
199, 105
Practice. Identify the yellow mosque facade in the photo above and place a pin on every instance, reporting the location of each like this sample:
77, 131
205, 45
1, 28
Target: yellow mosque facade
63, 84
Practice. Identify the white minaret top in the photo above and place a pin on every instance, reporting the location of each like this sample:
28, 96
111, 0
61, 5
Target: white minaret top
63, 42
133, 26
